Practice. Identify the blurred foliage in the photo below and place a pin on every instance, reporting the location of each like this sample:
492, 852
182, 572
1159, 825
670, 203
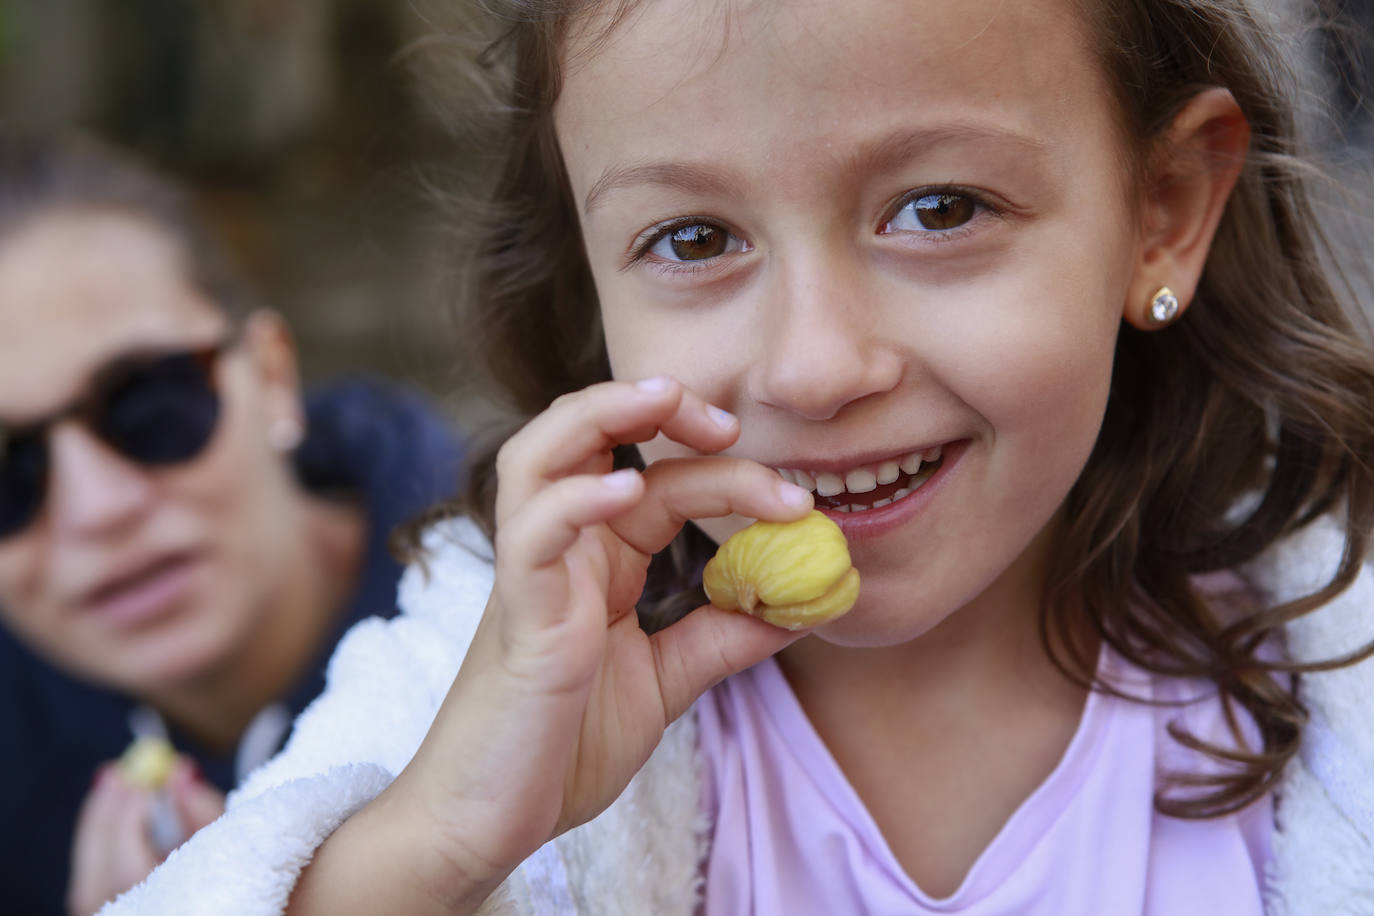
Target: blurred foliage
214, 87
297, 125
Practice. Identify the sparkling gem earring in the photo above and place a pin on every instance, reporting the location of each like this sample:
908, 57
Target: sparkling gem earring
1163, 306
285, 434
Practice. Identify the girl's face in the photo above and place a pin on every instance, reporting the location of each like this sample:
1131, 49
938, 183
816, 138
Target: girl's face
873, 230
136, 577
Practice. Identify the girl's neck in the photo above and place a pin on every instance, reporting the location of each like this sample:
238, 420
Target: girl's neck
983, 652
947, 677
945, 736
216, 707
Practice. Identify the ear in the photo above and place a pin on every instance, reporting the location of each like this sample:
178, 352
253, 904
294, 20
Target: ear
1187, 184
272, 351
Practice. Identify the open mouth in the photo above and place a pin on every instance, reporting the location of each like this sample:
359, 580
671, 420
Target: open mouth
869, 486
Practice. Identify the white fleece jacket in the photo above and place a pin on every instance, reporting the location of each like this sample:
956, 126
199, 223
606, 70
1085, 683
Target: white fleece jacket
641, 856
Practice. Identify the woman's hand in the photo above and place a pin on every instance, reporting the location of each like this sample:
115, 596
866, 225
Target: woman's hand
562, 697
113, 847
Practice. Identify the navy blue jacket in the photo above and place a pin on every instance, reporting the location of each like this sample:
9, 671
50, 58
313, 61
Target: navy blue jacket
369, 438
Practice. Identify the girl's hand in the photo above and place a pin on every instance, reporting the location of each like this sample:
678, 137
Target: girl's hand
113, 848
562, 697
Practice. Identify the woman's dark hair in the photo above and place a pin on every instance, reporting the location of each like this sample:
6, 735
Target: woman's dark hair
42, 174
1263, 395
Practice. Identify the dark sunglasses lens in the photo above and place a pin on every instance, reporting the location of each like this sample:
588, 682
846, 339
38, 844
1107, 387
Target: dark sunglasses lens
163, 413
23, 474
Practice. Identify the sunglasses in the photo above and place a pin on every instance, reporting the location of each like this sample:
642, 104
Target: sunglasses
154, 411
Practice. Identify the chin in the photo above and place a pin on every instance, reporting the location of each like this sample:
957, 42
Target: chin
174, 658
871, 625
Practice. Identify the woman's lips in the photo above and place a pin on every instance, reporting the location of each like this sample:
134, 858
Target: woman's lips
146, 593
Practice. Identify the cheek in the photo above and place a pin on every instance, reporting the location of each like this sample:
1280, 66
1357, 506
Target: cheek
1040, 382
21, 597
1031, 371
636, 343
241, 490
695, 343
1025, 348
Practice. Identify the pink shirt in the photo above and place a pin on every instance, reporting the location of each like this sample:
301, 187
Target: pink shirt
792, 837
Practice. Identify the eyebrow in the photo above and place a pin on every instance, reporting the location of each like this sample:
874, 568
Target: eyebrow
884, 154
675, 176
906, 145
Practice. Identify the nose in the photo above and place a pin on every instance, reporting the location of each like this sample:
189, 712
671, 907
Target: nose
91, 488
824, 342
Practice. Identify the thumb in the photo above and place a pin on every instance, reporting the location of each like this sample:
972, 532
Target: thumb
707, 646
197, 802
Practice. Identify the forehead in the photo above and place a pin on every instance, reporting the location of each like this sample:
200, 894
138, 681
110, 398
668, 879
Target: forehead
80, 288
789, 78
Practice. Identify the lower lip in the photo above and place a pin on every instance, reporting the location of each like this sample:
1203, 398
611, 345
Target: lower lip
150, 597
873, 523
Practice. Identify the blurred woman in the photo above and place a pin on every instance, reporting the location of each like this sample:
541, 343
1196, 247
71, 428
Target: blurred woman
182, 540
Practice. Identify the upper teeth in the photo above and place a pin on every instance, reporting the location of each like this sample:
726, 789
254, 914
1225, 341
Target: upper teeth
861, 479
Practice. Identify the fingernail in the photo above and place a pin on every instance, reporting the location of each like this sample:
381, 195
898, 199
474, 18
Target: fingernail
620, 481
793, 495
657, 383
722, 418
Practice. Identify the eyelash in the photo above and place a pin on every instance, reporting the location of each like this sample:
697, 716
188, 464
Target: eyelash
646, 241
982, 207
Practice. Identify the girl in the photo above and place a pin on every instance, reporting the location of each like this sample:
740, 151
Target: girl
1029, 299
182, 539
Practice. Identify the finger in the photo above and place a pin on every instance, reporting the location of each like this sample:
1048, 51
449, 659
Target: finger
547, 525
577, 432
197, 802
102, 818
111, 850
707, 646
546, 619
134, 854
96, 812
677, 489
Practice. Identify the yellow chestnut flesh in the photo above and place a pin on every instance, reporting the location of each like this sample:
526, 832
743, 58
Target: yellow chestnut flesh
790, 574
147, 762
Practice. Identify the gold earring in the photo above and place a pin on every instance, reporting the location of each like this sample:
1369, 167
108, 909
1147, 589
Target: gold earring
1163, 306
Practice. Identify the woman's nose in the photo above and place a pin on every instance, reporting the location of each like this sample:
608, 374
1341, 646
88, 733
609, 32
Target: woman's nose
92, 489
823, 341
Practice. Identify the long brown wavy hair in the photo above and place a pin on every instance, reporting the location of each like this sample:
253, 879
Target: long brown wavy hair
1264, 393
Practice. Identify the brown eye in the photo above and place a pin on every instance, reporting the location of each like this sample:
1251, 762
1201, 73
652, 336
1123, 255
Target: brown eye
944, 211
689, 243
697, 242
939, 212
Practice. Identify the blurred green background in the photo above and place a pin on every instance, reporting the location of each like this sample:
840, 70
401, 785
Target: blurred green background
300, 125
